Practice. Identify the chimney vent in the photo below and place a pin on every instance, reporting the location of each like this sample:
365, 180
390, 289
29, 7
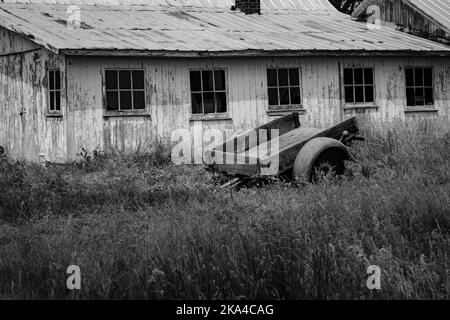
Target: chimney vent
248, 6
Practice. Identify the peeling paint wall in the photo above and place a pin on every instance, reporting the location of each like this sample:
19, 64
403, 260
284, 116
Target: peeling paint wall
169, 102
28, 132
25, 130
11, 43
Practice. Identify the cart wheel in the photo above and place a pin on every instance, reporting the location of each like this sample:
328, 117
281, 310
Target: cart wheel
318, 157
329, 163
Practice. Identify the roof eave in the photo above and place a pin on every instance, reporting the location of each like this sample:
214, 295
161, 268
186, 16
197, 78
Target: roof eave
250, 53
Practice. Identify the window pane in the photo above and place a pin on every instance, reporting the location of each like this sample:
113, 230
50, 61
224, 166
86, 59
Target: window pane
359, 94
295, 95
284, 96
51, 82
138, 100
273, 96
272, 77
197, 103
359, 76
125, 100
420, 97
221, 101
428, 77
52, 101
409, 77
294, 77
57, 80
348, 76
138, 79
368, 76
196, 82
429, 96
111, 79
58, 100
369, 94
209, 103
418, 76
283, 77
207, 80
410, 97
349, 95
112, 100
124, 80
219, 78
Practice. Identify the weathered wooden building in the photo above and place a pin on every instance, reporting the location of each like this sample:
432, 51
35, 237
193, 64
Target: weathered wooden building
426, 18
119, 73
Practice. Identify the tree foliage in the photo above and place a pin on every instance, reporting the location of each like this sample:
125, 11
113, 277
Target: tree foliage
346, 6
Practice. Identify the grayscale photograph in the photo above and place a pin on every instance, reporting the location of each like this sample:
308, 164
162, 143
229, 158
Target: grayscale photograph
225, 156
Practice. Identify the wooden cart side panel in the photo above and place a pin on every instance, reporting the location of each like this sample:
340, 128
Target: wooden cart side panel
283, 125
287, 156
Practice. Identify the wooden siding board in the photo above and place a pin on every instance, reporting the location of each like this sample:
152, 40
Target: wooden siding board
83, 124
26, 131
168, 95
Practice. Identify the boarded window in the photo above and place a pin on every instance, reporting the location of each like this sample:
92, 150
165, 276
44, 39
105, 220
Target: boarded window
359, 85
125, 90
54, 90
419, 86
208, 91
283, 88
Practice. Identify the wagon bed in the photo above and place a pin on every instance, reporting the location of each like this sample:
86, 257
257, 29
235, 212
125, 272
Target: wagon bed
244, 156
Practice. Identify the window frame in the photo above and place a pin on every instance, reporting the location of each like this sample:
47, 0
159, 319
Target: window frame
209, 116
54, 111
356, 105
289, 107
124, 112
433, 88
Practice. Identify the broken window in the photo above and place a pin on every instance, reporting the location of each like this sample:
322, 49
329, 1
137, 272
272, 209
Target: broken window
359, 85
54, 90
419, 86
283, 88
125, 90
208, 91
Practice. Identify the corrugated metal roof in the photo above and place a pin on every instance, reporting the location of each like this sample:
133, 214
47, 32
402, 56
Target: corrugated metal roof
437, 10
265, 4
204, 26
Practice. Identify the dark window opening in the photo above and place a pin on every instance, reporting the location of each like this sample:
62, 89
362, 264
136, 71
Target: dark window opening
419, 86
284, 88
125, 90
54, 90
208, 91
359, 85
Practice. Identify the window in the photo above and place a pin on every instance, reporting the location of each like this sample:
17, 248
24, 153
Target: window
208, 91
359, 85
419, 86
284, 88
125, 90
54, 90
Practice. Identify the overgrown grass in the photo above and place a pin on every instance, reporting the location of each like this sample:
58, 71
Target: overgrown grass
139, 227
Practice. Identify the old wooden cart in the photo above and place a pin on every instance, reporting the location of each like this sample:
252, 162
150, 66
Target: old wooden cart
284, 147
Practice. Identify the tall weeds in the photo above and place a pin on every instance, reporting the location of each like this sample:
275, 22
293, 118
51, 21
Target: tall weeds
139, 227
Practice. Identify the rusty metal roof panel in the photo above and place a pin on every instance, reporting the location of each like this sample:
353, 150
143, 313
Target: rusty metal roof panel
202, 26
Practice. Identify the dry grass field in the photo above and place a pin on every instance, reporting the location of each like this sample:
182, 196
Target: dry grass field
139, 227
